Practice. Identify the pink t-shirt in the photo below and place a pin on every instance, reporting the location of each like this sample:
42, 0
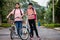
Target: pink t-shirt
30, 12
17, 15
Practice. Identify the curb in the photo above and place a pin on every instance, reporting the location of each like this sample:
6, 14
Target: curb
58, 29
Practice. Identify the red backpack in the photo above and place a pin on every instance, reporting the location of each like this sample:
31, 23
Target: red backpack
34, 14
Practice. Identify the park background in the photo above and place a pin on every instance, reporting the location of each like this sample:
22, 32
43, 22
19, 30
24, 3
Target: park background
48, 16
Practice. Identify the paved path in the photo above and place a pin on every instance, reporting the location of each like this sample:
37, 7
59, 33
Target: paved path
45, 34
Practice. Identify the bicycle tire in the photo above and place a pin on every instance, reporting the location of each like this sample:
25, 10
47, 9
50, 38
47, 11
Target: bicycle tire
23, 33
11, 34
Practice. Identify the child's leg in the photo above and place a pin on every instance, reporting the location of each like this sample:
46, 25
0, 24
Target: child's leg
19, 27
31, 28
36, 30
16, 23
34, 25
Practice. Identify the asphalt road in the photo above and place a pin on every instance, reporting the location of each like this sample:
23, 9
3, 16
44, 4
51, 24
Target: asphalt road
44, 33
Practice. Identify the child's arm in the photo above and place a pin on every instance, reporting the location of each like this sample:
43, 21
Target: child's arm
10, 13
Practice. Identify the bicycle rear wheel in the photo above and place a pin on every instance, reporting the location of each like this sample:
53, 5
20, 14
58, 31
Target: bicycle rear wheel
24, 33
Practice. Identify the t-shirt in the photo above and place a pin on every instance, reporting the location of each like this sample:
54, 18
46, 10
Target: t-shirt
17, 15
30, 13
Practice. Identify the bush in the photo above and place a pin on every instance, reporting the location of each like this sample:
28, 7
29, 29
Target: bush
5, 25
51, 25
57, 25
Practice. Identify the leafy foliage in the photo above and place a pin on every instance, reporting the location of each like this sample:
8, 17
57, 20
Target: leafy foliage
8, 5
57, 12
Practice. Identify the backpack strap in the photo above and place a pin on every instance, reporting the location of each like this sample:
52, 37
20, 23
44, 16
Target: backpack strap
33, 10
20, 11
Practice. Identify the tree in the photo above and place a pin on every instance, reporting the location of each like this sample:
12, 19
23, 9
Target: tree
9, 5
1, 5
57, 12
49, 12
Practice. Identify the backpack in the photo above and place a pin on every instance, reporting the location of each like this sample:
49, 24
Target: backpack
34, 14
12, 16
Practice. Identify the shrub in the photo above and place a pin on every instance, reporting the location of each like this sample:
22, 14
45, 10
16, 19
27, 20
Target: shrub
51, 25
57, 25
5, 25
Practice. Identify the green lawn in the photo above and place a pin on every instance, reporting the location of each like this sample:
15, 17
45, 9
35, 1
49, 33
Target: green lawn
5, 25
52, 25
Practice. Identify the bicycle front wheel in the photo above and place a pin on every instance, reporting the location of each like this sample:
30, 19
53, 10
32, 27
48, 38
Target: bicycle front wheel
24, 33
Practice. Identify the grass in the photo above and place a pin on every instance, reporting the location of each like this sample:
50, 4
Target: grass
52, 25
5, 25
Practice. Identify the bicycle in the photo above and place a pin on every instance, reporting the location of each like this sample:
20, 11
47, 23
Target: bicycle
23, 33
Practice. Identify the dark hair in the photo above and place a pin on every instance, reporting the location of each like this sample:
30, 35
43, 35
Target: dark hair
18, 4
30, 4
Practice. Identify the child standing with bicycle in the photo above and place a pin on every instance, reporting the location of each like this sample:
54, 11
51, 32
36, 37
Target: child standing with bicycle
17, 12
31, 12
